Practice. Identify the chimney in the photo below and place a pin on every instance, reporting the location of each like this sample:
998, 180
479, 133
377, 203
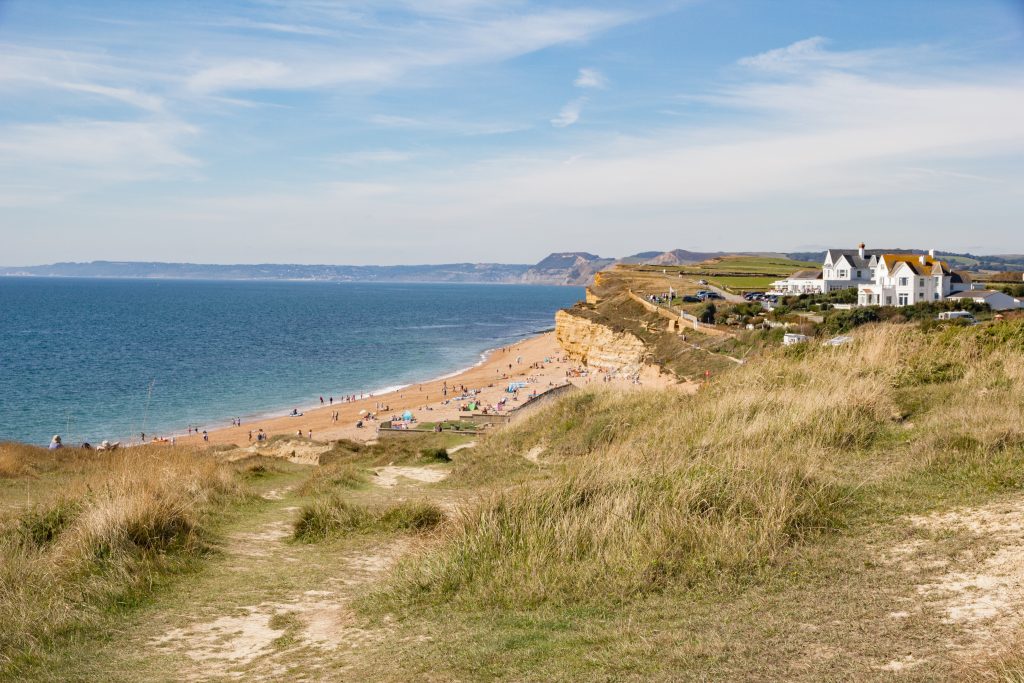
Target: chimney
922, 258
931, 253
860, 250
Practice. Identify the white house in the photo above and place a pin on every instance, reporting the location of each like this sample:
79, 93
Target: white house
908, 279
848, 268
801, 282
842, 269
997, 301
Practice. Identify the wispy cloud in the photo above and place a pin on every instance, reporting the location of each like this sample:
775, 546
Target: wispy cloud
590, 78
569, 114
463, 33
810, 53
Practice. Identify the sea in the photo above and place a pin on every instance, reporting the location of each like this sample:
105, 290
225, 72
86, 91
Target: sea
97, 359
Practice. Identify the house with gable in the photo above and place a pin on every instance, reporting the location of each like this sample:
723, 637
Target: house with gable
842, 269
908, 279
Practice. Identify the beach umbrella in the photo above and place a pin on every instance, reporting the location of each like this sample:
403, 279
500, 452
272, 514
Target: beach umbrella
407, 415
364, 412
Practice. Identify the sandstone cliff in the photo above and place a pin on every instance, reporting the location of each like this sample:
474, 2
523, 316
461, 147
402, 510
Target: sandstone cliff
597, 345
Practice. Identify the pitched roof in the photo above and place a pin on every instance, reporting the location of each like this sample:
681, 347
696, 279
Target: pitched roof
853, 256
975, 294
920, 264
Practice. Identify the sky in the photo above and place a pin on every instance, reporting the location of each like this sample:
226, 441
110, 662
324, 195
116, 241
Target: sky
436, 131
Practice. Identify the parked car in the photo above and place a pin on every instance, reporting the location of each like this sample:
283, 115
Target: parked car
713, 295
691, 299
702, 282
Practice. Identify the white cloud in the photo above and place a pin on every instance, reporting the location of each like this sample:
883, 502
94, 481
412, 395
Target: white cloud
569, 114
810, 53
590, 78
464, 33
80, 155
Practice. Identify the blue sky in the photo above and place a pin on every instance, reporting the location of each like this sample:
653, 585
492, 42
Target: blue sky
401, 131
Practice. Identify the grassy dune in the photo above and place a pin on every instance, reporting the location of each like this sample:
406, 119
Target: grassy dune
98, 532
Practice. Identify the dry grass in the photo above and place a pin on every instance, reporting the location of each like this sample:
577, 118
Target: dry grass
114, 524
647, 491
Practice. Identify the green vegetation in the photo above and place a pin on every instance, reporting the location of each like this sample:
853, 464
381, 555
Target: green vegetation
98, 536
335, 516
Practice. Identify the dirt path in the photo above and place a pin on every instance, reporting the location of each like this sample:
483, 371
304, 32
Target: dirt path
968, 564
268, 608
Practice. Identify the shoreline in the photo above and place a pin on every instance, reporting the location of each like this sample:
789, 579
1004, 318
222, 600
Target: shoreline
425, 399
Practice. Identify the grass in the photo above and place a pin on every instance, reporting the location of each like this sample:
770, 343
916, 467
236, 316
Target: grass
742, 283
654, 496
99, 537
333, 516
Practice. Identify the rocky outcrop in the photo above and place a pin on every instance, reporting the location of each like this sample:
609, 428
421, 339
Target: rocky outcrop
596, 345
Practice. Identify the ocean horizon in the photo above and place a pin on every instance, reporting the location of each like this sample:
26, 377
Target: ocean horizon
95, 359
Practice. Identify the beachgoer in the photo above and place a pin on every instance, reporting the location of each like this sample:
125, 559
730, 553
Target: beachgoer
143, 437
250, 435
310, 433
206, 437
55, 443
321, 400
332, 400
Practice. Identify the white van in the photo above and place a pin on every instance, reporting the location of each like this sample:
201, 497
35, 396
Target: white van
957, 315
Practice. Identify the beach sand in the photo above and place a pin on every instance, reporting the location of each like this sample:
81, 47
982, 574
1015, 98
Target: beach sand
426, 400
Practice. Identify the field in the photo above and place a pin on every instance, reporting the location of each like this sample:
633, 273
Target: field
816, 514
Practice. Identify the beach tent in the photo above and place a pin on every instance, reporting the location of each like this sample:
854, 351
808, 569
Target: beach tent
407, 415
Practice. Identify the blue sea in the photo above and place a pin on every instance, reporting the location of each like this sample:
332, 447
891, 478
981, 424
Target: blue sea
107, 359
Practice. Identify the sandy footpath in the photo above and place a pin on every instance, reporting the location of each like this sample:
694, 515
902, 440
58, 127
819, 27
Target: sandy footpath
537, 360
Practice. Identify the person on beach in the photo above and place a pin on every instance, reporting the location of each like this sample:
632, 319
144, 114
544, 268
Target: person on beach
321, 400
311, 434
206, 437
55, 443
332, 400
250, 436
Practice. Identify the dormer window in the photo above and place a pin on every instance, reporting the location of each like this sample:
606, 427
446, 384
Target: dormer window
904, 281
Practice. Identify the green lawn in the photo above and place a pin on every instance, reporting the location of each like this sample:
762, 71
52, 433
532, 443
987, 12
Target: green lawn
742, 283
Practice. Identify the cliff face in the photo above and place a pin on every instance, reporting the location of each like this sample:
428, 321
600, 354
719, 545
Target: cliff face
597, 345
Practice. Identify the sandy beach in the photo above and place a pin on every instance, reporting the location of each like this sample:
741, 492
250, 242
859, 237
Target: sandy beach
537, 360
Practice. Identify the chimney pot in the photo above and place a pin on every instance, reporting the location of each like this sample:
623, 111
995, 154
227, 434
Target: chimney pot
922, 259
931, 253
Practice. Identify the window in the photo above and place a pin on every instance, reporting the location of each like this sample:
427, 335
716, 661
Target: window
843, 274
860, 274
921, 283
936, 295
888, 300
904, 281
904, 299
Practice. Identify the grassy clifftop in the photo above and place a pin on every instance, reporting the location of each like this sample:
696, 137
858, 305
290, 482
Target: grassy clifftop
659, 501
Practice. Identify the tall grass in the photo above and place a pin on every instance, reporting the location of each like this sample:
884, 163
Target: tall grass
113, 524
333, 516
648, 490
